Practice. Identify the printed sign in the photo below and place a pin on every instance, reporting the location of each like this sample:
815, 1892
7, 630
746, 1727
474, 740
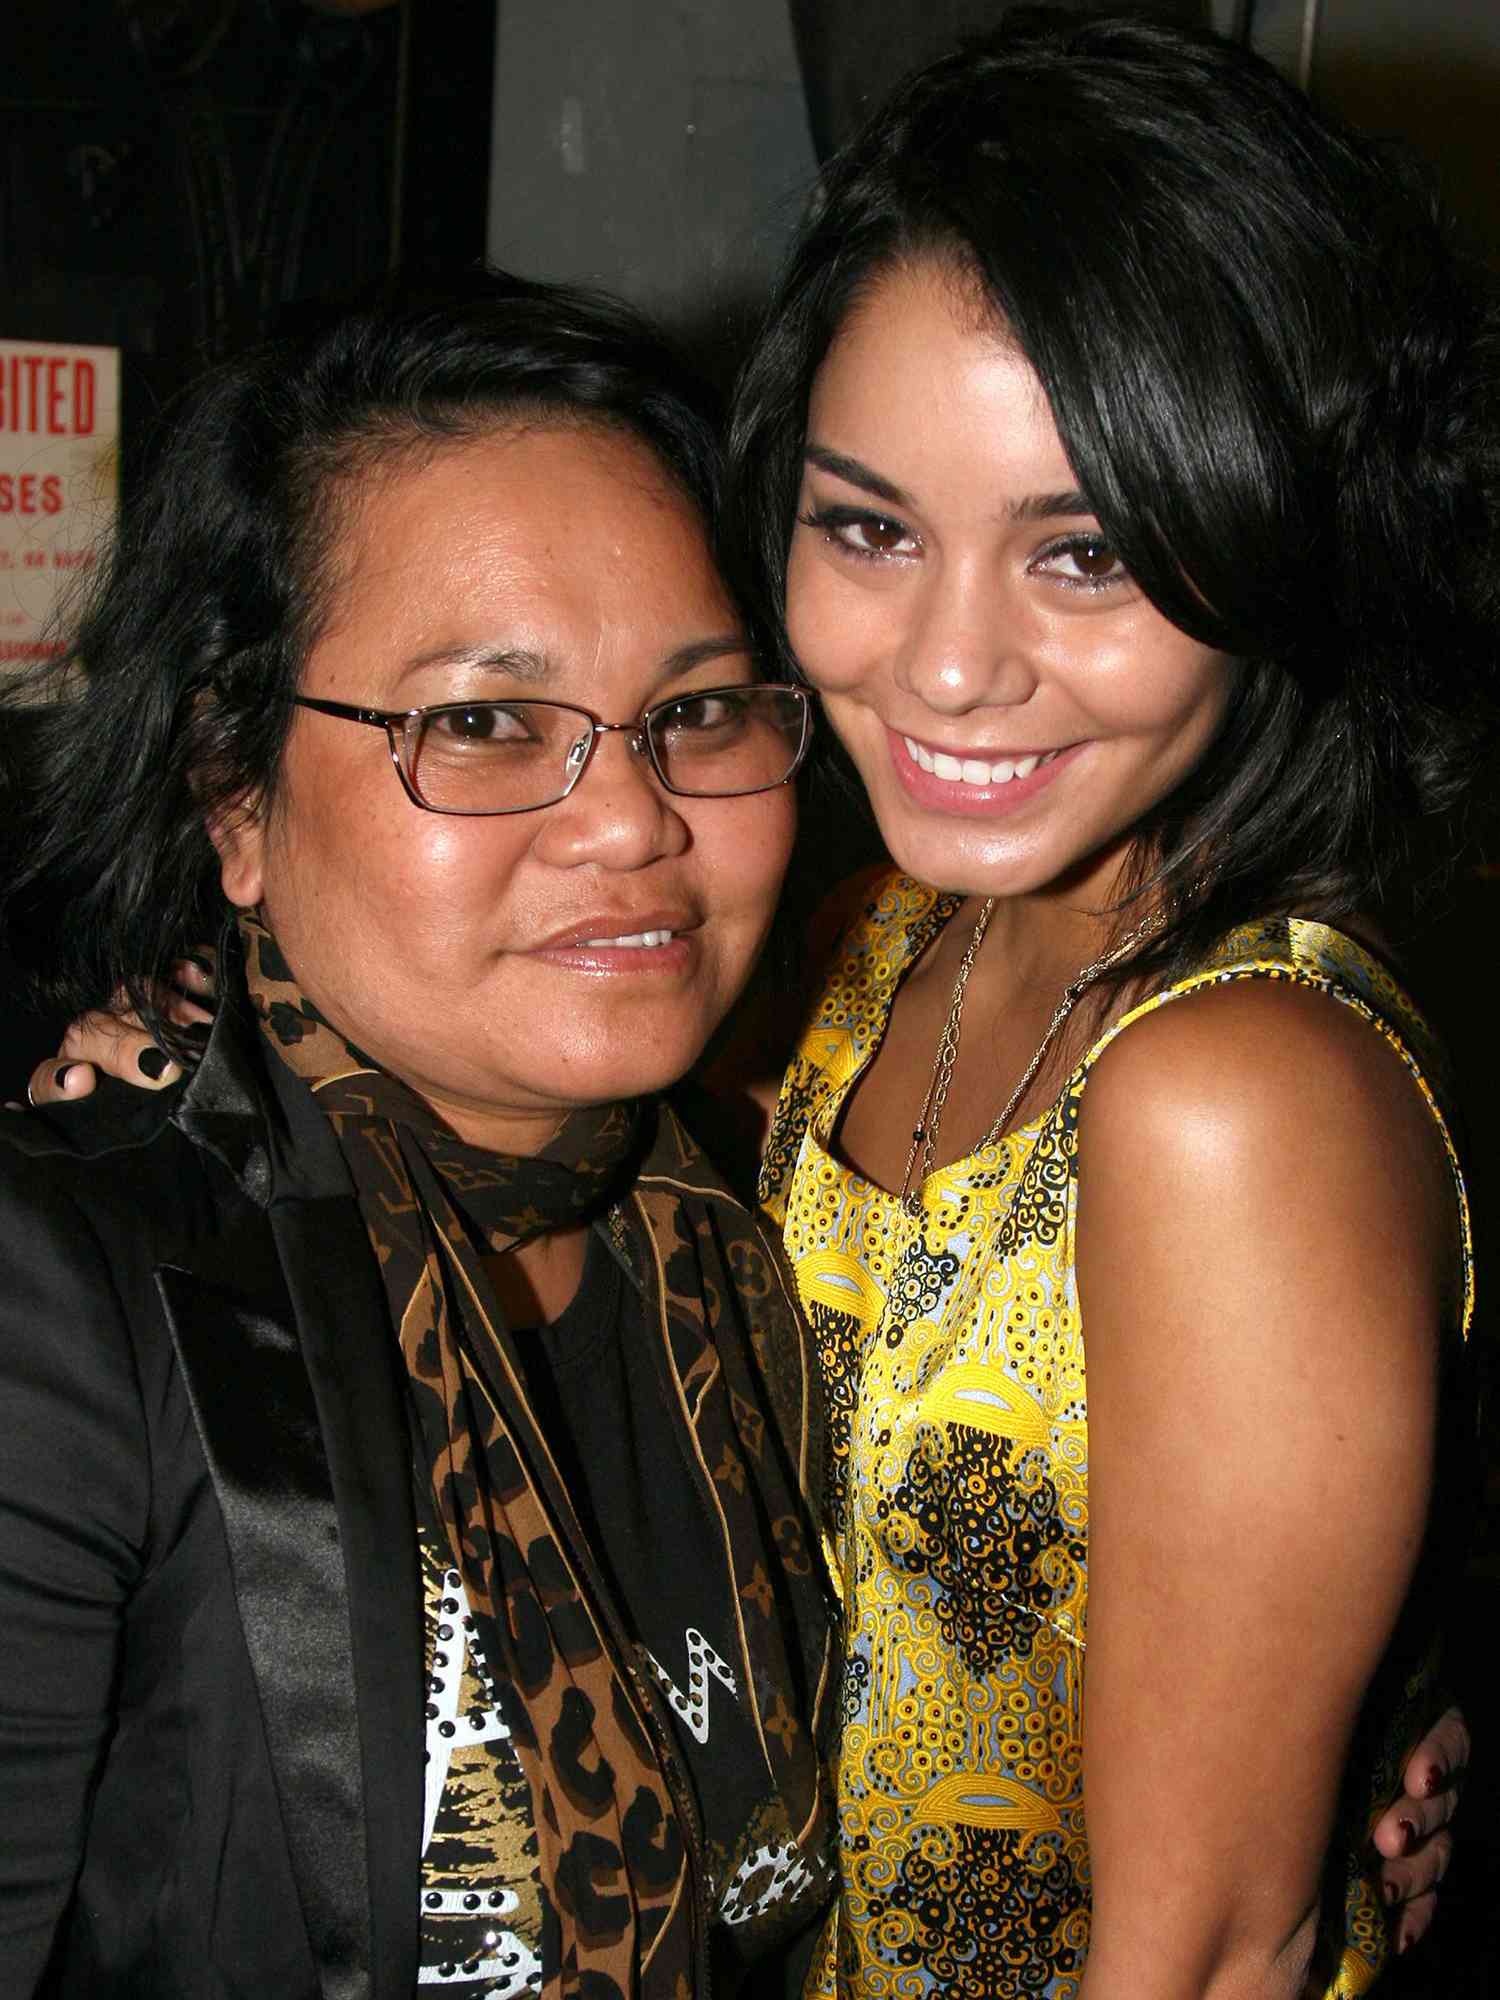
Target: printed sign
59, 476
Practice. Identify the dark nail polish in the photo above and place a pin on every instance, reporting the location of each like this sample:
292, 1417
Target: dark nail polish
1409, 1835
196, 1032
152, 1063
60, 1076
1390, 1892
1432, 1784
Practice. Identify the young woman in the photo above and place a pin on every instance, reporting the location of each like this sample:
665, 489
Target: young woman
1121, 451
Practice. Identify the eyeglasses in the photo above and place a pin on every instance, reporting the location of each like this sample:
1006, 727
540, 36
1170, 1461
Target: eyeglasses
489, 757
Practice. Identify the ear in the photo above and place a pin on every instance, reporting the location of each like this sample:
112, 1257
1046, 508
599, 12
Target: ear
239, 837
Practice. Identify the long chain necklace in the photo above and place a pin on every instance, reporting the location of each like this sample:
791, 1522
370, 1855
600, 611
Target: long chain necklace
925, 1132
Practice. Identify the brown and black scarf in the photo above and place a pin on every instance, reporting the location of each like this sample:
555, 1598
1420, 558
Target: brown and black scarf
434, 1206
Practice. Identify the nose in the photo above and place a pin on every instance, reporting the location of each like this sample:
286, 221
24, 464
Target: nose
617, 815
964, 646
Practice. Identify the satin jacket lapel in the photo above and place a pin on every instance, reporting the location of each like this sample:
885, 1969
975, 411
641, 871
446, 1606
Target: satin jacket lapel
354, 1363
302, 1426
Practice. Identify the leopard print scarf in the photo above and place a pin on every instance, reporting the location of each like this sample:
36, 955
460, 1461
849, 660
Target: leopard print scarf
434, 1205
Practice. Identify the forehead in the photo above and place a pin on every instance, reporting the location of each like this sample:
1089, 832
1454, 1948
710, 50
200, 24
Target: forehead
544, 535
920, 364
516, 484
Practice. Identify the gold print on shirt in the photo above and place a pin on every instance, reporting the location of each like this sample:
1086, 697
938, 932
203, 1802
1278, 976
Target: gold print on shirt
952, 1353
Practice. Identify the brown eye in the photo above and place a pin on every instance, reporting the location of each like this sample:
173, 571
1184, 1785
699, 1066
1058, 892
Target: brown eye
859, 533
879, 535
1087, 562
1094, 559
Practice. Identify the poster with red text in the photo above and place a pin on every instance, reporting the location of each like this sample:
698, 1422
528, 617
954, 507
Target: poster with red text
59, 478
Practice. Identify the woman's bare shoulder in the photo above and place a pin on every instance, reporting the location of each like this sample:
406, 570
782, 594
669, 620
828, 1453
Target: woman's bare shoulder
1267, 1060
1260, 1124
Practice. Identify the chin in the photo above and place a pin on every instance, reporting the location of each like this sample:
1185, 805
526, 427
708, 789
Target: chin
962, 867
646, 1070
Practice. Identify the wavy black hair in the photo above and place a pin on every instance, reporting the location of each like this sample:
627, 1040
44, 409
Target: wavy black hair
174, 698
1275, 379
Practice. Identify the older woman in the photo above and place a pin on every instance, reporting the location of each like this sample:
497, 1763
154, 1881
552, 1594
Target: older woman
404, 1569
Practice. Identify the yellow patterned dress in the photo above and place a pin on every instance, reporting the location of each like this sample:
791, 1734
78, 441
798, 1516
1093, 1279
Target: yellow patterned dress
953, 1360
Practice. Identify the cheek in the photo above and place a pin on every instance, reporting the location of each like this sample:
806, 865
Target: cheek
1144, 684
362, 872
848, 622
818, 620
746, 847
1192, 696
858, 728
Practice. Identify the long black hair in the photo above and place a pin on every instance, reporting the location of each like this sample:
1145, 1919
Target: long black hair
174, 698
1275, 380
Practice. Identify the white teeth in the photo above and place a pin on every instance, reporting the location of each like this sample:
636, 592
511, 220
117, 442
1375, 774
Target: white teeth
639, 940
972, 770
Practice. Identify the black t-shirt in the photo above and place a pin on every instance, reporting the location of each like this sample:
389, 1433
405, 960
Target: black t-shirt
625, 1465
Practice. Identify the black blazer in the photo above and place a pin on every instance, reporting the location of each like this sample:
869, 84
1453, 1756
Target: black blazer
203, 1450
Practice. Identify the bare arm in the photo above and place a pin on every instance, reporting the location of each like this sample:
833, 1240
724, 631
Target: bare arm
1265, 1249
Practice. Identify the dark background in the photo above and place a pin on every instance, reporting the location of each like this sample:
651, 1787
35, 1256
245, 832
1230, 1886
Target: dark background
177, 177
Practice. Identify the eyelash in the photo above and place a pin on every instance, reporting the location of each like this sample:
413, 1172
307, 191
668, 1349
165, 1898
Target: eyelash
1067, 545
830, 521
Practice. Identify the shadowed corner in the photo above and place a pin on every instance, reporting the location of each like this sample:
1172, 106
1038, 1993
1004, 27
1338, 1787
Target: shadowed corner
28, 1031
1450, 941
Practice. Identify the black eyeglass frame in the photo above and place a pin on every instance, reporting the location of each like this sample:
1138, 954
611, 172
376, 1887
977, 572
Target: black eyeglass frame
409, 722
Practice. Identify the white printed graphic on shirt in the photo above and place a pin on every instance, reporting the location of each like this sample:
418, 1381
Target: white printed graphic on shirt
762, 1879
509, 1968
702, 1661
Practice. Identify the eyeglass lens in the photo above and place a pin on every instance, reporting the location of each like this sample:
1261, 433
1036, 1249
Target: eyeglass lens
479, 757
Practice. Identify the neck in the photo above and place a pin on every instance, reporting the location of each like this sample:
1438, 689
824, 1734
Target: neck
538, 1280
523, 1135
1037, 942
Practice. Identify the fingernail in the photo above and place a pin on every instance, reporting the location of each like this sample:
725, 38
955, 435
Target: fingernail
60, 1076
1402, 1942
1408, 1834
152, 1063
1432, 1784
196, 1032
1390, 1892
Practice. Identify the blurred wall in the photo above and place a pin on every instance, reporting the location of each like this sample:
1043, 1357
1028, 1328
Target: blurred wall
658, 147
662, 147
1430, 73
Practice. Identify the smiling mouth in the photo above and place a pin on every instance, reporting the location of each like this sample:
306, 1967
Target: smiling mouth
974, 771
637, 941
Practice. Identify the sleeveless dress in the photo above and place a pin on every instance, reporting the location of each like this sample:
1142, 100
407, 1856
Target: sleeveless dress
952, 1356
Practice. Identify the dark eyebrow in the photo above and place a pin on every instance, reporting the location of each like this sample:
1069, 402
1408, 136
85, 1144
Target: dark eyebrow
699, 651
855, 474
1035, 507
522, 663
1045, 506
516, 662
